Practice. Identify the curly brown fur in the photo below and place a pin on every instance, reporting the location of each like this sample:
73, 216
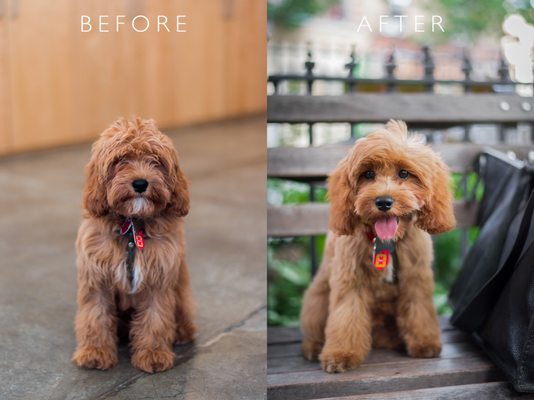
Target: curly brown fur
161, 306
349, 307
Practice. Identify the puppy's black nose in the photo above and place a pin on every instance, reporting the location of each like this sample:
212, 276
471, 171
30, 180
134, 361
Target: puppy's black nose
140, 185
384, 203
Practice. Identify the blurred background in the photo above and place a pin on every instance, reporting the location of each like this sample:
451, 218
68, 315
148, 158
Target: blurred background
60, 86
485, 42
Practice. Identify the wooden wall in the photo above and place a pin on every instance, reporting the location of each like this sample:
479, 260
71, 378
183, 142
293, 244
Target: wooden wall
60, 86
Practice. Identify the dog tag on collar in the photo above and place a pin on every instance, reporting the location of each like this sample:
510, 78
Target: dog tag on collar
381, 260
140, 240
382, 252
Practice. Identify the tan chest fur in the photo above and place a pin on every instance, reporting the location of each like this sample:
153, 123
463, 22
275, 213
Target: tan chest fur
155, 266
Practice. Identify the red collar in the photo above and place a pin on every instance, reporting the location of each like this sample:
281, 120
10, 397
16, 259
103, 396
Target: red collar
370, 234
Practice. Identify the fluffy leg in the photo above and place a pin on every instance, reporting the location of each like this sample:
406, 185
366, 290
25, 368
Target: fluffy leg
185, 325
314, 314
348, 330
152, 331
419, 327
96, 329
314, 310
416, 317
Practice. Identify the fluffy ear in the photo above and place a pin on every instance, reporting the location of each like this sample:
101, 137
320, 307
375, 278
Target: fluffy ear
343, 220
437, 214
94, 193
180, 192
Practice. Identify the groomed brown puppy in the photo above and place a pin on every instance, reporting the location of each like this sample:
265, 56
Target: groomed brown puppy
131, 250
374, 287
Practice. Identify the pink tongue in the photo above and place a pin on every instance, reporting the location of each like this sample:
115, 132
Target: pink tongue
386, 228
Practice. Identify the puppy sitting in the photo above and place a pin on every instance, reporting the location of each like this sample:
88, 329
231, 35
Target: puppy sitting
374, 287
131, 250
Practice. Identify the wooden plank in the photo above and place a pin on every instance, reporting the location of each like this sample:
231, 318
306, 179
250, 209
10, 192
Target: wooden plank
282, 335
289, 334
380, 378
423, 108
293, 350
297, 220
283, 365
312, 218
478, 391
316, 163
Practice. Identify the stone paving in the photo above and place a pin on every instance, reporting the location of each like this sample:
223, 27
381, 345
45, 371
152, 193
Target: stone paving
40, 213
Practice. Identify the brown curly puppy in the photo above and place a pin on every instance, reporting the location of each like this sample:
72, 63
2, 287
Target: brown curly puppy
374, 287
131, 250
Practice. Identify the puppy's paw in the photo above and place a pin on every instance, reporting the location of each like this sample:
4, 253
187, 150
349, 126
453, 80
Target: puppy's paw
153, 360
185, 333
339, 361
95, 357
311, 349
424, 349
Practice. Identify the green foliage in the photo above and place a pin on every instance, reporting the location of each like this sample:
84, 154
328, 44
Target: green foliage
291, 14
471, 19
294, 192
287, 280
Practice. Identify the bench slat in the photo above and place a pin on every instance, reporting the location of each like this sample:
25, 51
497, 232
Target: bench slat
277, 335
478, 391
379, 378
316, 163
312, 218
416, 109
288, 358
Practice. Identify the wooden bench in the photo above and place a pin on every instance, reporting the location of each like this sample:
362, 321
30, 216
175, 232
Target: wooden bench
462, 370
386, 374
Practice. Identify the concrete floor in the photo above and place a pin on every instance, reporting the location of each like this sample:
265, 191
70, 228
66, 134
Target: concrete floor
40, 212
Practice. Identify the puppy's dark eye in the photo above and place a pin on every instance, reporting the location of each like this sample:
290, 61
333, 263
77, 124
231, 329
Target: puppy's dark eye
403, 174
369, 175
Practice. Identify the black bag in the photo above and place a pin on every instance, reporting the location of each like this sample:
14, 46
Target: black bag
493, 296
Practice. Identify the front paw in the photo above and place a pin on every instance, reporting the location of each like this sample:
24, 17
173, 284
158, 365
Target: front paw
339, 361
424, 349
153, 360
185, 333
95, 357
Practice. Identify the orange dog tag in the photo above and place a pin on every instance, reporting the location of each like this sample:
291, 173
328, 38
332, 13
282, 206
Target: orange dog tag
381, 260
139, 240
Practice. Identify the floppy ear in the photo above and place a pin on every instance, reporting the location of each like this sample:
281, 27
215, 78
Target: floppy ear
180, 192
342, 219
437, 214
94, 193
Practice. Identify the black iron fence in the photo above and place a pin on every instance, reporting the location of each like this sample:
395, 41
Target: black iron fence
390, 82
